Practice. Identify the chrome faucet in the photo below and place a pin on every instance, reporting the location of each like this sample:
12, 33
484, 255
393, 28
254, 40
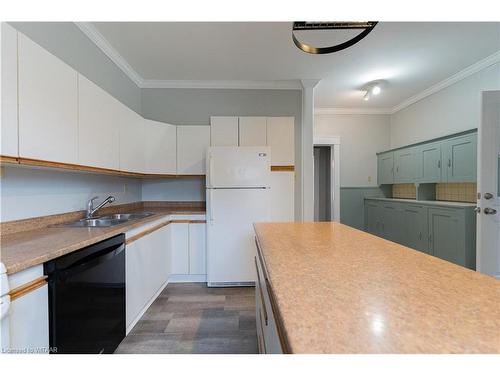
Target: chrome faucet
90, 205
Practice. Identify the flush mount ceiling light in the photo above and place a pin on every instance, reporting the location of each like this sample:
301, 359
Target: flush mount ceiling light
367, 27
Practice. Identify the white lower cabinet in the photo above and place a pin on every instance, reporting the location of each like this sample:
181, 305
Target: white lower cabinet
147, 271
180, 248
29, 313
189, 250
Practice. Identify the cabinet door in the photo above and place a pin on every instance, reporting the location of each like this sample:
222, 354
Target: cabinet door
135, 281
252, 131
160, 151
282, 196
180, 248
132, 140
8, 82
446, 234
372, 217
385, 169
197, 249
430, 162
415, 228
29, 320
405, 163
460, 155
192, 143
391, 222
224, 131
48, 116
281, 139
99, 126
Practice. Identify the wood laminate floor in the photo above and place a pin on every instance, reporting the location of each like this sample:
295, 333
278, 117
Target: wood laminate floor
191, 318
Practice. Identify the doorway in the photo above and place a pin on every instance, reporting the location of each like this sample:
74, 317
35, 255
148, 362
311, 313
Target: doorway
326, 179
488, 178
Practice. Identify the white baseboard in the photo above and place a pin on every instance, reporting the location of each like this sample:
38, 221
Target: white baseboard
146, 306
187, 279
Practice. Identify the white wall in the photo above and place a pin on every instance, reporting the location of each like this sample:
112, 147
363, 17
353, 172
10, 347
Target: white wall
173, 190
35, 192
451, 110
361, 137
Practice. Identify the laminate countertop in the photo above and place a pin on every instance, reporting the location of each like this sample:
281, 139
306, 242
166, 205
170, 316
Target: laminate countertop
341, 290
27, 248
425, 202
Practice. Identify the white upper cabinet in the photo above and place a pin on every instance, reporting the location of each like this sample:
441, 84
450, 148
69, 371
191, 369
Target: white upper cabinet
48, 115
99, 128
8, 82
132, 140
252, 131
281, 139
192, 143
224, 131
160, 147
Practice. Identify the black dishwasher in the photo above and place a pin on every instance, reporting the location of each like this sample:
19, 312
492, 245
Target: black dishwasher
87, 298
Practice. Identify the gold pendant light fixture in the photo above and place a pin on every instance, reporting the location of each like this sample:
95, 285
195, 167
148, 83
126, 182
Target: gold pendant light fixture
367, 27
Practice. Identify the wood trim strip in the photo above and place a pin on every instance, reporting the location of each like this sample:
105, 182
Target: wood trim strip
27, 288
274, 307
146, 232
159, 226
282, 168
84, 168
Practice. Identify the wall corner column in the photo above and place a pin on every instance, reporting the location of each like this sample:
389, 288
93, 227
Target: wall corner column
307, 146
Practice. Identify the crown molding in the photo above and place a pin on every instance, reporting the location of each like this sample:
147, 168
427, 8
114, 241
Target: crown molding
470, 70
352, 111
222, 84
100, 41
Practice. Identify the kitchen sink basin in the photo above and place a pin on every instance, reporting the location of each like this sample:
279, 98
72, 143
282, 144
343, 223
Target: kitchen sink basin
105, 221
127, 216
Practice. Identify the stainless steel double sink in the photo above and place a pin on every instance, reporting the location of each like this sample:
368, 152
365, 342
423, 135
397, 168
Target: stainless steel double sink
105, 221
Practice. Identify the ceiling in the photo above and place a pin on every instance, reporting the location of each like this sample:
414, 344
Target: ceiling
411, 57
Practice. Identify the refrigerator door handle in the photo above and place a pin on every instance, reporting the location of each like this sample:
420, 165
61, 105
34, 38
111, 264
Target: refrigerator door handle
211, 204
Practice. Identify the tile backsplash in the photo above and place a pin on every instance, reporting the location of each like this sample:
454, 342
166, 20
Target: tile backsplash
407, 191
457, 192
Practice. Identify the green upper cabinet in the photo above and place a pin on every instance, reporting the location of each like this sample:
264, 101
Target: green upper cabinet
460, 159
429, 163
405, 163
385, 168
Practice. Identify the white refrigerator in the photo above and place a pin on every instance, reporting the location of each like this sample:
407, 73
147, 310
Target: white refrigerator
237, 194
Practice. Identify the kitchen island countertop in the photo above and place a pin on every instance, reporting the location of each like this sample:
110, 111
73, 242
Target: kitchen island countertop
341, 290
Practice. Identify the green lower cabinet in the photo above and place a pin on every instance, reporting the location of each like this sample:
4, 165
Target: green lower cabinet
447, 233
450, 236
415, 231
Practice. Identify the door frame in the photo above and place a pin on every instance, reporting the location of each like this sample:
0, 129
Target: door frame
487, 257
334, 144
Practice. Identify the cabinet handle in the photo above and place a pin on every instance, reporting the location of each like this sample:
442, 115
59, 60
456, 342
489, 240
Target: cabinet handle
397, 169
420, 236
449, 163
439, 163
260, 292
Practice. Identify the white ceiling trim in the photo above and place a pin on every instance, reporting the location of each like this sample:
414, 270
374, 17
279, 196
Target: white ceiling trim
205, 84
100, 41
352, 111
472, 69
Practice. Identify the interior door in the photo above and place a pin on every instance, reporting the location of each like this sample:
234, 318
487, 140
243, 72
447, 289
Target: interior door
488, 220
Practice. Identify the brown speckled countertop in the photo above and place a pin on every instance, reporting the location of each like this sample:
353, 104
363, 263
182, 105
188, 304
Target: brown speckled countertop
28, 248
341, 290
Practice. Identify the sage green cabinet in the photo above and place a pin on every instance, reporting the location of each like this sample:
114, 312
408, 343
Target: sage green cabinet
414, 227
448, 233
385, 168
429, 163
460, 157
451, 159
405, 165
451, 236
